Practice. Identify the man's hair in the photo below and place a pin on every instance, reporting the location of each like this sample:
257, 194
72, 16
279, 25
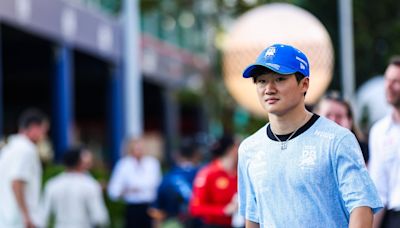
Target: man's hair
221, 146
189, 148
263, 70
395, 60
72, 157
30, 117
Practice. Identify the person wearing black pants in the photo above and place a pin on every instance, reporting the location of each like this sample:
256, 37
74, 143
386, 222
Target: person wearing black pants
136, 216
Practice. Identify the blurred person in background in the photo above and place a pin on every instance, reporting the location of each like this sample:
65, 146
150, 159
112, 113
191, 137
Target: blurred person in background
384, 147
334, 107
215, 186
45, 150
175, 191
135, 180
21, 173
74, 197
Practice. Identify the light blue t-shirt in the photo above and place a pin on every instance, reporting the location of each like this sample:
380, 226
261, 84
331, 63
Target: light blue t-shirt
316, 182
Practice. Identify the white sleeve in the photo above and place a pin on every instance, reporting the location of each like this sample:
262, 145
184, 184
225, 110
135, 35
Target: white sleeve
116, 185
246, 194
21, 170
376, 165
97, 209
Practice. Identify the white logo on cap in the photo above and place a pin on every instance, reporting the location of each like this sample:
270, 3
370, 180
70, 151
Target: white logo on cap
275, 66
270, 52
301, 60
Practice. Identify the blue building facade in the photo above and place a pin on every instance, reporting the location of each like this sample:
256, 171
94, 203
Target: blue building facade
67, 60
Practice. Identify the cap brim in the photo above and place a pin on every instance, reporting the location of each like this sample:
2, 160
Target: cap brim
252, 69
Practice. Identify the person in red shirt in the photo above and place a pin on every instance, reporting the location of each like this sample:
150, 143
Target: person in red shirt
215, 186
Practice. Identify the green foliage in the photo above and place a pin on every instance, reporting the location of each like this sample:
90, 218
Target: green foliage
376, 36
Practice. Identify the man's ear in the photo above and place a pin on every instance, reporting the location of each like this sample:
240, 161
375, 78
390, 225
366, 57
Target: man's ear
305, 83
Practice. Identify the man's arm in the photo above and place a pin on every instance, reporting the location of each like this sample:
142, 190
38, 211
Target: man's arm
361, 217
250, 224
18, 187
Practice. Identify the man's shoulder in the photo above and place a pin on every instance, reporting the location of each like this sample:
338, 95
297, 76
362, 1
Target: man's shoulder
203, 174
123, 162
151, 159
61, 180
382, 123
22, 145
326, 125
91, 181
54, 182
18, 149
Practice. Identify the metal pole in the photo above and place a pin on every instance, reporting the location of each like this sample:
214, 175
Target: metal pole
347, 48
116, 113
132, 72
171, 119
62, 99
1, 87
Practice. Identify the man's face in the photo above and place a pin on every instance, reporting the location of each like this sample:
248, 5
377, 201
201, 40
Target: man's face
392, 85
279, 94
136, 148
38, 131
87, 159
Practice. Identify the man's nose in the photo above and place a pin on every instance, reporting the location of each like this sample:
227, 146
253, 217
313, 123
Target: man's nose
270, 87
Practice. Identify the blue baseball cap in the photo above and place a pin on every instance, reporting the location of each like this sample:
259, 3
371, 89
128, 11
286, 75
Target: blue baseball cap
282, 59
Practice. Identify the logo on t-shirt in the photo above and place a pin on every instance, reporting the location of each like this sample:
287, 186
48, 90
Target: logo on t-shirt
222, 183
324, 134
308, 157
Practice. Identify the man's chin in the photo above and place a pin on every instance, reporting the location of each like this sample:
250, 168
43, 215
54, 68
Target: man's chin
394, 102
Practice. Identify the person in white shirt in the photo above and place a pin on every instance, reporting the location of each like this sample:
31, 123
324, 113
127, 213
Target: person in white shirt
21, 173
74, 197
384, 147
135, 180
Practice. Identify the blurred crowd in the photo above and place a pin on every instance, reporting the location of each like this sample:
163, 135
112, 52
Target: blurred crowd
193, 192
198, 190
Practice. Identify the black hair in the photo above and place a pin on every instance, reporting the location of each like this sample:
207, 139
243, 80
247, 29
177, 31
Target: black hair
30, 117
299, 76
72, 157
395, 60
221, 146
189, 148
263, 70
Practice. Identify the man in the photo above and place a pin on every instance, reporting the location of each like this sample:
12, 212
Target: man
384, 145
175, 190
74, 197
214, 198
21, 173
135, 180
300, 170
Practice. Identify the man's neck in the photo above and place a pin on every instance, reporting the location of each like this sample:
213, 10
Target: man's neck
77, 169
285, 124
396, 114
28, 135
